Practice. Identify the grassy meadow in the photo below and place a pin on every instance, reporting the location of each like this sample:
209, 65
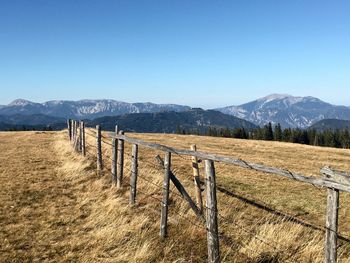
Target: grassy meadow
55, 208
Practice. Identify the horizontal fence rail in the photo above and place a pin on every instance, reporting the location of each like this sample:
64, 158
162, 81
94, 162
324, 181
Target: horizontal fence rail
321, 182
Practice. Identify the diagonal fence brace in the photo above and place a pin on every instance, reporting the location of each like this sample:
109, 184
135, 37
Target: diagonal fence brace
182, 191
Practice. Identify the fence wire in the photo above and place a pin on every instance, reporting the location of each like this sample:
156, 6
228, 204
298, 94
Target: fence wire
157, 167
224, 220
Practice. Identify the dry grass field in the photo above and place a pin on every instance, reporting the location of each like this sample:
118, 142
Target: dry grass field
54, 208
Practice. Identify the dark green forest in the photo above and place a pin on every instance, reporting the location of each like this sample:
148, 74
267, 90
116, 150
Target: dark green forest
329, 138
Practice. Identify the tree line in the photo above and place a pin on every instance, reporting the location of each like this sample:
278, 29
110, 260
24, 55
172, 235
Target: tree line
328, 138
28, 128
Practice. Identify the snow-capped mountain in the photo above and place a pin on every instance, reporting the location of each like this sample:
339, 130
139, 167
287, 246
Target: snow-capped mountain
85, 109
289, 111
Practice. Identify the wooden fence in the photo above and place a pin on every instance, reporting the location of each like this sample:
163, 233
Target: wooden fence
334, 181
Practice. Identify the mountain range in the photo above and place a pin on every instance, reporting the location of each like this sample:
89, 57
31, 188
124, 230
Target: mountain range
84, 109
289, 111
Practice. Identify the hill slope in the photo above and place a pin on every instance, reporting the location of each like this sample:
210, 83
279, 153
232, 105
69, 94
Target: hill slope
34, 121
331, 124
289, 111
169, 122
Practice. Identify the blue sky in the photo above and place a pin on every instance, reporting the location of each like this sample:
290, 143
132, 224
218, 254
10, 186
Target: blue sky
200, 53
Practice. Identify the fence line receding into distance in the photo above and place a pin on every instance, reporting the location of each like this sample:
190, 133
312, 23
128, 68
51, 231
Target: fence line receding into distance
334, 181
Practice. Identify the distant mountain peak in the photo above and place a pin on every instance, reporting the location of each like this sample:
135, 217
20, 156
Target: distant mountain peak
288, 99
20, 102
289, 111
275, 96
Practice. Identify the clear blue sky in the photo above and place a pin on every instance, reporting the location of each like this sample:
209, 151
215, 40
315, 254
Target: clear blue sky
200, 53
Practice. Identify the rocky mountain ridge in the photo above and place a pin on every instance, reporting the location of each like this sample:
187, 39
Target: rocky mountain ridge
289, 111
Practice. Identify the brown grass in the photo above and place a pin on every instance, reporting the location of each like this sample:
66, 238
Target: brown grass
55, 208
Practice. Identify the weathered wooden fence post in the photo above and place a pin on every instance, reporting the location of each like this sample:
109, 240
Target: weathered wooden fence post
114, 158
212, 213
77, 136
73, 131
114, 161
134, 171
77, 128
197, 181
83, 144
69, 126
99, 150
80, 137
165, 201
331, 226
120, 162
332, 212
